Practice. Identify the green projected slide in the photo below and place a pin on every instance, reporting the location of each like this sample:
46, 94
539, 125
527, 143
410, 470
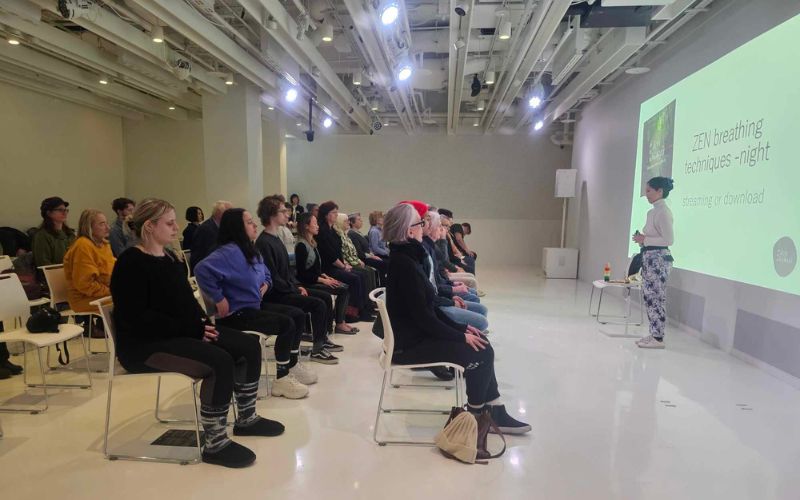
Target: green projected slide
729, 135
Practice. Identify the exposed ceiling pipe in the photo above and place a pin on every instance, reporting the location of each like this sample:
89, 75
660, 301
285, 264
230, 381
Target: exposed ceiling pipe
107, 25
74, 48
308, 57
616, 46
191, 24
364, 22
73, 95
59, 70
537, 35
459, 34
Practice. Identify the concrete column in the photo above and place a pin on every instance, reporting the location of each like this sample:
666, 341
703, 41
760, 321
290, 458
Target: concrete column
274, 144
234, 167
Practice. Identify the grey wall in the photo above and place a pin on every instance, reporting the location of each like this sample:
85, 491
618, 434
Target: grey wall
504, 186
605, 153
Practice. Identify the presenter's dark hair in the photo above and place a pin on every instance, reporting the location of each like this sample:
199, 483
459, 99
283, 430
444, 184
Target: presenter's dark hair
231, 230
665, 184
193, 214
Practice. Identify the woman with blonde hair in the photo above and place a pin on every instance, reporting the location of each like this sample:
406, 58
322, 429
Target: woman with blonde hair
161, 327
88, 262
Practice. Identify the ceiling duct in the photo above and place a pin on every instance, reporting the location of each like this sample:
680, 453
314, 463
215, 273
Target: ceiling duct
569, 53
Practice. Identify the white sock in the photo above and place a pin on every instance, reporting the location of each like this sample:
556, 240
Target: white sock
495, 402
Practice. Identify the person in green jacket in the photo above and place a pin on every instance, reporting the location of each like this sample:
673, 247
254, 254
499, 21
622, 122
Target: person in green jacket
54, 236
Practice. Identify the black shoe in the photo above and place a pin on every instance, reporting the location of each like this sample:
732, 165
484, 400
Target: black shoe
442, 373
324, 357
507, 423
233, 455
306, 337
352, 331
261, 427
8, 365
331, 347
4, 373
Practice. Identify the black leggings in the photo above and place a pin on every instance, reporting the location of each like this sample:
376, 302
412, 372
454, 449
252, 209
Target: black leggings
268, 323
318, 303
478, 365
341, 293
382, 266
235, 357
355, 281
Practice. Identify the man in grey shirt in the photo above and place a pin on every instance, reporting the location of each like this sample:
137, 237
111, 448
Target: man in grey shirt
121, 237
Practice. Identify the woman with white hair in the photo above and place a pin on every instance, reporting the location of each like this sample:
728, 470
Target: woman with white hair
423, 333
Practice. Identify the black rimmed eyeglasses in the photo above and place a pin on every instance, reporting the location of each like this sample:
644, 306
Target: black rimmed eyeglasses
421, 223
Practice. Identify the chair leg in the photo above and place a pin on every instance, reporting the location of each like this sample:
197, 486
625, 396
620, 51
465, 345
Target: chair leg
378, 413
44, 380
591, 299
86, 359
108, 417
196, 426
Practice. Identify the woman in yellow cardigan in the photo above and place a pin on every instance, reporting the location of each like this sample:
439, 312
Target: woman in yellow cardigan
89, 262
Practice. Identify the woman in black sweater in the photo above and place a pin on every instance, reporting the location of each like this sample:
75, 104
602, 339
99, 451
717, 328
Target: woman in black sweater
308, 264
161, 327
422, 333
333, 263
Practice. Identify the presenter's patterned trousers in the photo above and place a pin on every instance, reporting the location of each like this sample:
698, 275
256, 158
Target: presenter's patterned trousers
655, 272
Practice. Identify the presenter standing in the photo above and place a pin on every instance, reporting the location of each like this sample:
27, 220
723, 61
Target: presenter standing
655, 239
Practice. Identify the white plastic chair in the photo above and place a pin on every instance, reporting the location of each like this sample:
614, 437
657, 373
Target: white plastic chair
14, 313
57, 284
105, 307
379, 297
6, 263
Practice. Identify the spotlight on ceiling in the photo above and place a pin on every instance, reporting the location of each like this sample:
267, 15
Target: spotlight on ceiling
104, 79
535, 101
489, 78
229, 79
476, 122
460, 43
171, 107
538, 125
505, 30
481, 105
374, 105
536, 96
327, 122
12, 40
462, 9
157, 34
291, 95
357, 78
271, 108
389, 14
327, 32
404, 72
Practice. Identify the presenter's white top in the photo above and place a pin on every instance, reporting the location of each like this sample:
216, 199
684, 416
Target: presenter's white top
658, 228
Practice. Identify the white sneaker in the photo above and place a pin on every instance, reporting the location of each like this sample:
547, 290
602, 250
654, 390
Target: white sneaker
304, 373
650, 342
289, 388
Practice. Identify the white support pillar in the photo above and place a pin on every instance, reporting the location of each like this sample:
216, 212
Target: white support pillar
234, 167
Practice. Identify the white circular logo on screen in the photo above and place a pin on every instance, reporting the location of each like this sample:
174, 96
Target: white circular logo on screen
784, 256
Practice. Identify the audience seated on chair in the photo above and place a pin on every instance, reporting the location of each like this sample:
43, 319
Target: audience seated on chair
375, 237
286, 288
54, 236
121, 236
361, 244
295, 209
330, 249
466, 262
309, 271
205, 238
235, 278
350, 255
424, 334
194, 217
160, 326
89, 262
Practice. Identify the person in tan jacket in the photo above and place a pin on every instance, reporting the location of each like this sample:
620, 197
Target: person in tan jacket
89, 262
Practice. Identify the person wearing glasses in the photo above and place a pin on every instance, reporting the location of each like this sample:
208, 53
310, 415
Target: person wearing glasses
54, 236
423, 333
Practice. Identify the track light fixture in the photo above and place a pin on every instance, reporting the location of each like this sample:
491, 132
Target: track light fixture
505, 30
389, 13
291, 95
490, 78
157, 34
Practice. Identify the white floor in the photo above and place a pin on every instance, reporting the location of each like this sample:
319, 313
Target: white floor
609, 421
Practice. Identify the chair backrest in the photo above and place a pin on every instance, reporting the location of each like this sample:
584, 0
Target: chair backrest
379, 297
13, 302
106, 308
56, 283
5, 262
